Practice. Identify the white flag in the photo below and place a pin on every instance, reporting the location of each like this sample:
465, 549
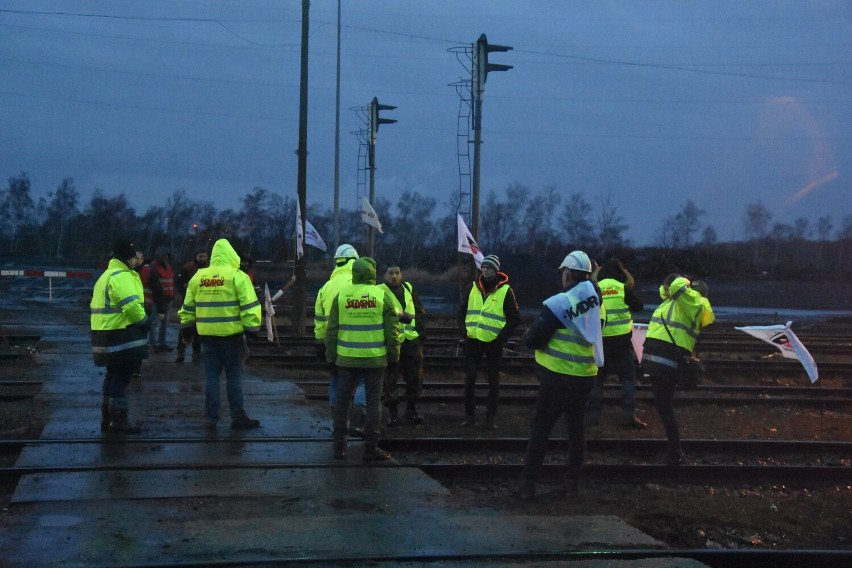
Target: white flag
311, 237
782, 337
468, 244
270, 311
640, 330
368, 215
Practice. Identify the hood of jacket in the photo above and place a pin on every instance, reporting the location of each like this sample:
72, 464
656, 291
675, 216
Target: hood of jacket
364, 271
224, 254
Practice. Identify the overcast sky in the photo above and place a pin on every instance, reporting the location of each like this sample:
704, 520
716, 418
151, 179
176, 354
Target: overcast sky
648, 103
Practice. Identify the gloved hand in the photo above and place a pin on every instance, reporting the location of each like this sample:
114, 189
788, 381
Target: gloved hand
187, 335
320, 347
144, 325
253, 334
405, 317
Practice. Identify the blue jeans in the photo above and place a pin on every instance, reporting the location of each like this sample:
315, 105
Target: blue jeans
157, 335
557, 396
348, 378
223, 353
621, 363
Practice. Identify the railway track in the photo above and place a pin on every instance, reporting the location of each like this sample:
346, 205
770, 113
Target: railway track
450, 459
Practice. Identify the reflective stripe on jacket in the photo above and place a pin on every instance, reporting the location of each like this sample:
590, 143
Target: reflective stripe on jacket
116, 305
485, 317
360, 310
341, 276
220, 299
619, 321
683, 311
407, 331
568, 353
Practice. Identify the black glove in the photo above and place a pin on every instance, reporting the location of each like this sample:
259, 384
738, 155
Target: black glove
253, 334
187, 335
144, 325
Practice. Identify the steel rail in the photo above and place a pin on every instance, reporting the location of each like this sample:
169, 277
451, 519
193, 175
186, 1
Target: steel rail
681, 400
752, 389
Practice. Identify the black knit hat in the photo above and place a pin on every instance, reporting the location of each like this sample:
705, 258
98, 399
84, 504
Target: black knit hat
122, 249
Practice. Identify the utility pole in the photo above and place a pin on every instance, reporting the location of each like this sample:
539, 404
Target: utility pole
480, 70
337, 142
300, 290
375, 121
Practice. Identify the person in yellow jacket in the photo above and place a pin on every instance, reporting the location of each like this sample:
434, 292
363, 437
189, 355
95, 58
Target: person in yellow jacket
568, 341
411, 334
672, 333
222, 306
119, 333
487, 316
618, 291
362, 338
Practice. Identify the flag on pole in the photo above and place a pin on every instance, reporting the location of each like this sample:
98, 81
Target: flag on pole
270, 312
783, 338
640, 330
368, 215
468, 244
311, 236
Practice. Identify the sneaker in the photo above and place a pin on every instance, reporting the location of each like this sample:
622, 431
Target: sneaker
634, 423
469, 422
245, 423
375, 454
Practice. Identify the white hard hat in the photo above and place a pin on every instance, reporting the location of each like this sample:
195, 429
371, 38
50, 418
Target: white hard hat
345, 251
577, 260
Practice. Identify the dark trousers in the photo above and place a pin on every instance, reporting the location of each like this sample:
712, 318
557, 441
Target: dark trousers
474, 350
664, 390
347, 379
560, 395
620, 362
410, 366
117, 377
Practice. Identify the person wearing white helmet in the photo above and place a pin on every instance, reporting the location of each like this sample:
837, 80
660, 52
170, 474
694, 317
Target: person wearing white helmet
340, 277
568, 342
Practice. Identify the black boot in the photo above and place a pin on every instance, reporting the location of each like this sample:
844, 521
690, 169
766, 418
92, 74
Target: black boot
393, 418
105, 414
118, 423
411, 414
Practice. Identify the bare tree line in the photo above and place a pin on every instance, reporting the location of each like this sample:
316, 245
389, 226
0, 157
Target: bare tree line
418, 230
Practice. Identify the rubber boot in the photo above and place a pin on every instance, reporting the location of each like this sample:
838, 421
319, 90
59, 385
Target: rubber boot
105, 414
357, 421
118, 423
393, 416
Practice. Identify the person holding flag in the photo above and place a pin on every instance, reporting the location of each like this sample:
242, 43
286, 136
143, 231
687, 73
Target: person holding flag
568, 341
486, 321
672, 333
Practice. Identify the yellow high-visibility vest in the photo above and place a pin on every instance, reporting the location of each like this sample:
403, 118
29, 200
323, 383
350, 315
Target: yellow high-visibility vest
619, 321
408, 331
485, 317
361, 332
